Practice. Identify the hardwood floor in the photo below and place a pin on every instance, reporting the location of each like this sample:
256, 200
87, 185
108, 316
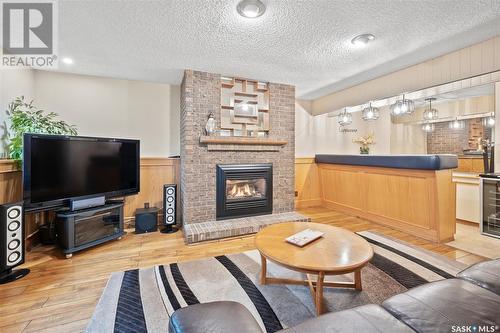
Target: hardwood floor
59, 295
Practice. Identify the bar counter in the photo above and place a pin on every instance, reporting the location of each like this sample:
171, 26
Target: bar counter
411, 193
420, 162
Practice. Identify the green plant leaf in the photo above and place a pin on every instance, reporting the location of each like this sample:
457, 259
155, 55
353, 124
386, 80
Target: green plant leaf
26, 118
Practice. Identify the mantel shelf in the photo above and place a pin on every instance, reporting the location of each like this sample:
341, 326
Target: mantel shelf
233, 140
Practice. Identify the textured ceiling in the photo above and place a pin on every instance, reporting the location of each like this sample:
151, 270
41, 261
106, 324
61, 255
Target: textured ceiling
301, 42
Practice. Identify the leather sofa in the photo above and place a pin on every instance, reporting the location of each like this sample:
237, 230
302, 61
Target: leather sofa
453, 305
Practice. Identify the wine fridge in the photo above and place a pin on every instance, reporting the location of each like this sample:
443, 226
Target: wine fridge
490, 204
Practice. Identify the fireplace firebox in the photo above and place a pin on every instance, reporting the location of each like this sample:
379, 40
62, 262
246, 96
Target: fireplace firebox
244, 190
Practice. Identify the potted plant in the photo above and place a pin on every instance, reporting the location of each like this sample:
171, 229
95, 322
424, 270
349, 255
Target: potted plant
365, 142
24, 117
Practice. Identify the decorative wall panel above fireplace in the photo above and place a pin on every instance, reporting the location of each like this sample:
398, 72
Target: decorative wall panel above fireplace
244, 107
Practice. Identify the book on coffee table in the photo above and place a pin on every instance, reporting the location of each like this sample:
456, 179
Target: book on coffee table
304, 237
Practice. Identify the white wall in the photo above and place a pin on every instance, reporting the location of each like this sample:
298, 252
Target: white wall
114, 108
13, 83
408, 139
321, 134
305, 139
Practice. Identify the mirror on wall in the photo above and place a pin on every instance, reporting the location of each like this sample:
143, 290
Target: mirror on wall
458, 122
453, 118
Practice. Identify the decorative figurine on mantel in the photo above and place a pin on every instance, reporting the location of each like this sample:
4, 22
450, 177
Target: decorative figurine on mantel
210, 126
365, 142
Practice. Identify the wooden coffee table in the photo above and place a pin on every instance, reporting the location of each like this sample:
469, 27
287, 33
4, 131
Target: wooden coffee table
338, 252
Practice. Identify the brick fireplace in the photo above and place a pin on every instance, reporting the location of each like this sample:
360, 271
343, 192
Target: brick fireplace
200, 96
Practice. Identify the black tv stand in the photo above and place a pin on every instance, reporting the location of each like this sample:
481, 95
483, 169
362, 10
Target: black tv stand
81, 229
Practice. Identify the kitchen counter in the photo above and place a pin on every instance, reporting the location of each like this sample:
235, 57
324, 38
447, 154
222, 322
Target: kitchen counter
470, 163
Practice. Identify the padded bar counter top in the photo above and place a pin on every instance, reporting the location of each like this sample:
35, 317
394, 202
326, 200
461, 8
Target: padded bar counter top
419, 162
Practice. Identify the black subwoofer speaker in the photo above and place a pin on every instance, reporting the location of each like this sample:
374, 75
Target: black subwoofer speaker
146, 219
169, 208
11, 242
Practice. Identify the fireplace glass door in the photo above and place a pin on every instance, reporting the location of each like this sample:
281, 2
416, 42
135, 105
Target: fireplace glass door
244, 190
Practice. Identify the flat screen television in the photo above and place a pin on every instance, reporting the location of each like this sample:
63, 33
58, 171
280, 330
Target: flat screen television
58, 168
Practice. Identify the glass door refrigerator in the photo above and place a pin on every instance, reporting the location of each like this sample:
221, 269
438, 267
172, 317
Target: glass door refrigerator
490, 204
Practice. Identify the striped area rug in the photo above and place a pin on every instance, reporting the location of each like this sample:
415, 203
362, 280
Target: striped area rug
142, 300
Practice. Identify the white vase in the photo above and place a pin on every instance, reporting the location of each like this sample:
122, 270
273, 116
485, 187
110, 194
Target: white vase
210, 126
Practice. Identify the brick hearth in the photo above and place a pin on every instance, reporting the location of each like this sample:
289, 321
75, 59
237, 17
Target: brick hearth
198, 232
200, 96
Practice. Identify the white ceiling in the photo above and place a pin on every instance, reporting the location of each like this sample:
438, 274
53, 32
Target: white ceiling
300, 42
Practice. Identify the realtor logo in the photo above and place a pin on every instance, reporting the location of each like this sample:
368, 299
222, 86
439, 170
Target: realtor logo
28, 33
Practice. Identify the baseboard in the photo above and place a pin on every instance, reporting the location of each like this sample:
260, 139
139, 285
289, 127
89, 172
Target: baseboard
308, 203
473, 224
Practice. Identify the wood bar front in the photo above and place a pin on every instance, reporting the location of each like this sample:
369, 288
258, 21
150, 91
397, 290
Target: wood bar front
419, 202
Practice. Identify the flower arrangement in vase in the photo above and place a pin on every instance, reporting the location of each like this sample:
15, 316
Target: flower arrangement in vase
365, 142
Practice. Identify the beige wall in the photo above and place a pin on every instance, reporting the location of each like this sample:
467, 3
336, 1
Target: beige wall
13, 83
114, 108
102, 106
477, 59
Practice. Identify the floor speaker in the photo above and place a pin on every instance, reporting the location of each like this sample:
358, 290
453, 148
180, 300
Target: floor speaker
11, 242
169, 208
146, 219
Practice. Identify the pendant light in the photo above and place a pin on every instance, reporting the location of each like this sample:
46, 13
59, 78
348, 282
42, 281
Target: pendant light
457, 124
489, 122
370, 113
428, 127
345, 118
430, 113
402, 107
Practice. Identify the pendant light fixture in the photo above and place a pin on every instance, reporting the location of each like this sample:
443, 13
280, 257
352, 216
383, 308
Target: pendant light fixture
428, 127
370, 113
457, 124
489, 122
402, 107
251, 8
345, 118
430, 113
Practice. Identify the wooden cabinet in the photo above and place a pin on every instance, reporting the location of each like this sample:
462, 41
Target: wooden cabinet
470, 164
477, 165
468, 197
464, 165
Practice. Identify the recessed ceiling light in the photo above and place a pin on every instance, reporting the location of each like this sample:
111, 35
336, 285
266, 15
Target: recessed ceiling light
362, 40
251, 8
67, 61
